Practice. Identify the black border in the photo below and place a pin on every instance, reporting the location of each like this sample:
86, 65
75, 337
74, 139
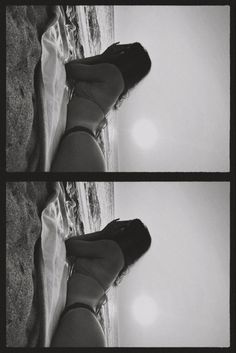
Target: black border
121, 176
138, 177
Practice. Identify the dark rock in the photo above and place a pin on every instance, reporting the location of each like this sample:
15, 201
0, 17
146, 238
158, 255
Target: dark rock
24, 203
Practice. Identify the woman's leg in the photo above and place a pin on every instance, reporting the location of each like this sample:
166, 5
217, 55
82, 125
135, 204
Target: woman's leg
78, 328
78, 152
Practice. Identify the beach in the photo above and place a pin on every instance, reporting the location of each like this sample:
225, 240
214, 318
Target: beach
88, 30
89, 206
24, 27
24, 204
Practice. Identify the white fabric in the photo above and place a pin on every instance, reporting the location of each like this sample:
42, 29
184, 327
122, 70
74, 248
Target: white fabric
54, 92
54, 98
53, 263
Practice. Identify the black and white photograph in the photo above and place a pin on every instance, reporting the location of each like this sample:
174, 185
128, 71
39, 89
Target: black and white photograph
118, 227
118, 264
118, 88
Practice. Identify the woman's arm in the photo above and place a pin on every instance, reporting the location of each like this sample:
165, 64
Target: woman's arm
105, 250
83, 72
96, 59
82, 248
91, 244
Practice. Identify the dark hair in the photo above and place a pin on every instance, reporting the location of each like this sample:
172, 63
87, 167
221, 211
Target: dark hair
134, 64
132, 60
133, 239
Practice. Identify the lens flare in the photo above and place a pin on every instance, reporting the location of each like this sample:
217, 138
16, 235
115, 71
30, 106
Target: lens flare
144, 310
144, 134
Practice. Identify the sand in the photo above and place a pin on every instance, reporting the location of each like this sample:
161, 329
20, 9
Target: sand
24, 202
24, 27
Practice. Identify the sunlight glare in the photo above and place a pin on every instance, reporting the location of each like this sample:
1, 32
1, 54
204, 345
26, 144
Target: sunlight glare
144, 310
144, 133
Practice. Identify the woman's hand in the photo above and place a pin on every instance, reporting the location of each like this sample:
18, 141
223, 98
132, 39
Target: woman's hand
112, 49
115, 226
115, 49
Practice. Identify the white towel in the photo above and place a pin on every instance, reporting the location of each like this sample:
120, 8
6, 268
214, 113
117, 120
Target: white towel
53, 265
53, 89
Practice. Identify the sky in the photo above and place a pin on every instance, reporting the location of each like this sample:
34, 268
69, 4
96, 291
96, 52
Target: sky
177, 118
177, 294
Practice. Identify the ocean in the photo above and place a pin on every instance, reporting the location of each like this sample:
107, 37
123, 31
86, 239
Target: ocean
90, 206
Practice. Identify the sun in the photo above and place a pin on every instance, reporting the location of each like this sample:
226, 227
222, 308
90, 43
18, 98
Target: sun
144, 134
144, 310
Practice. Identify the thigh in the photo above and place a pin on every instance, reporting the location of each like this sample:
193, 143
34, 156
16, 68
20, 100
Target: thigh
79, 152
79, 328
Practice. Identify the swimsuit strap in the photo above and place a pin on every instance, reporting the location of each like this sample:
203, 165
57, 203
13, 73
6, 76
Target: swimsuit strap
102, 301
78, 128
78, 305
104, 122
85, 129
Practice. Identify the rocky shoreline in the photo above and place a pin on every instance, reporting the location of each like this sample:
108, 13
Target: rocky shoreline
24, 28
